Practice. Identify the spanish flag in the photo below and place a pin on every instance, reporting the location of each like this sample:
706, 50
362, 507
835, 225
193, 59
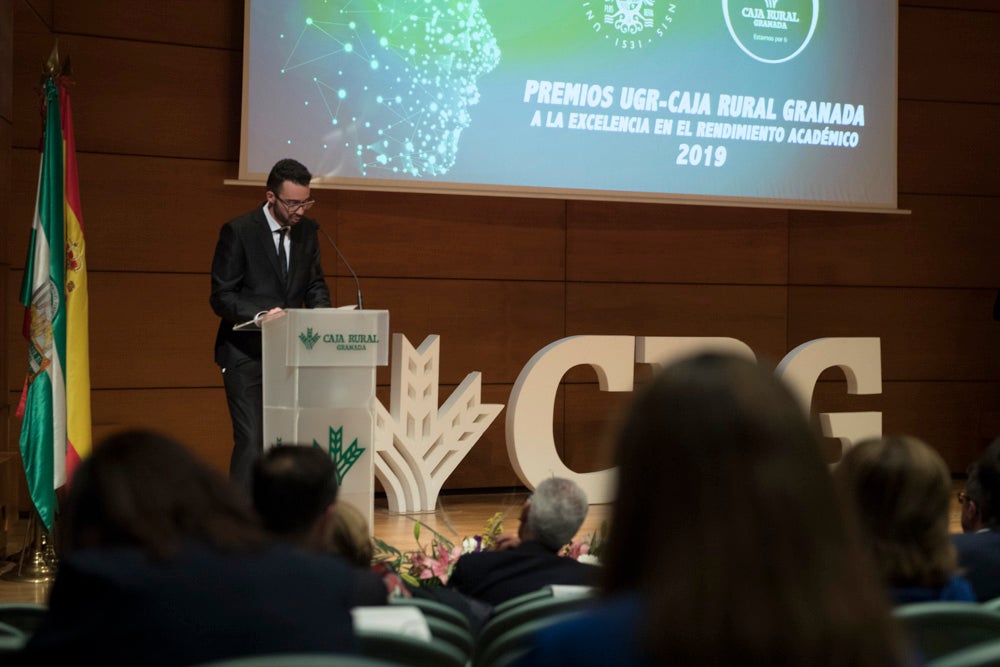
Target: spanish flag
55, 401
78, 433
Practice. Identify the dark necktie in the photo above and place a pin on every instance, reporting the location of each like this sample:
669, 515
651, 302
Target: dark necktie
282, 257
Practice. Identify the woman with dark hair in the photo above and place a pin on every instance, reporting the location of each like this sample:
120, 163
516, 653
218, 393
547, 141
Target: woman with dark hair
164, 563
902, 490
727, 545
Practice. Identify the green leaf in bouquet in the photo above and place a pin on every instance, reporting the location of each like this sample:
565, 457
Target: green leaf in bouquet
438, 540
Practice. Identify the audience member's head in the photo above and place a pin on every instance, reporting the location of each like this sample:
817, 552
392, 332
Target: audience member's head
143, 489
728, 529
350, 537
294, 491
902, 491
553, 513
981, 507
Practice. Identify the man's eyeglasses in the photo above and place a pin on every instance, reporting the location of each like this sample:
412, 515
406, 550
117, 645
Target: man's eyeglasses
962, 498
293, 205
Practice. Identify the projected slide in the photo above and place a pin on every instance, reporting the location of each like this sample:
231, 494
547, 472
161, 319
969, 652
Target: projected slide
749, 101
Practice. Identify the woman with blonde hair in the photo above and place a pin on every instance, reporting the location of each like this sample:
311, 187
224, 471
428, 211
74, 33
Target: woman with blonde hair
902, 491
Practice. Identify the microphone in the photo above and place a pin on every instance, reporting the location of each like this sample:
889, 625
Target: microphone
357, 283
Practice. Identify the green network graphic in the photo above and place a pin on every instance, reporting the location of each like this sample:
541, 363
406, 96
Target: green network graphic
396, 78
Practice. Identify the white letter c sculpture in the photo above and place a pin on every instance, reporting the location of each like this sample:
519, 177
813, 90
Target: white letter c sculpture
530, 441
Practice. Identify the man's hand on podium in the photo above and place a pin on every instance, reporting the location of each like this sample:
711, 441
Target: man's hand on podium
256, 318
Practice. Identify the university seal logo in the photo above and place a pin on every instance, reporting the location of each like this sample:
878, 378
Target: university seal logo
630, 24
771, 31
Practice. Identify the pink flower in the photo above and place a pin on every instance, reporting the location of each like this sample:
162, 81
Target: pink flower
439, 566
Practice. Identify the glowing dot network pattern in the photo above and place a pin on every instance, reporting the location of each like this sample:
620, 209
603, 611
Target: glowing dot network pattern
395, 78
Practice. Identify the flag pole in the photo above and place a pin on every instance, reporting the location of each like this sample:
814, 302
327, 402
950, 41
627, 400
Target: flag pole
36, 562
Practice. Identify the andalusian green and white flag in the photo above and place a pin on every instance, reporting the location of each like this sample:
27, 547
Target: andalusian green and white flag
43, 431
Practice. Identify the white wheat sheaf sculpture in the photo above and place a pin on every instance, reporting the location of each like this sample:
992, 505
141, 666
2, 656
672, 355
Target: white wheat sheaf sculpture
417, 444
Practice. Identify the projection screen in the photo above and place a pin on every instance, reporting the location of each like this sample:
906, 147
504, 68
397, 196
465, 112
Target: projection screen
784, 103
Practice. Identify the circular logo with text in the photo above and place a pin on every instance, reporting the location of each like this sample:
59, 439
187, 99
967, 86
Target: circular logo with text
630, 24
771, 31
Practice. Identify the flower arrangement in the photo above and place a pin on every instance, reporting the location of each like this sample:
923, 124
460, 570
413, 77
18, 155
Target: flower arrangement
590, 549
432, 563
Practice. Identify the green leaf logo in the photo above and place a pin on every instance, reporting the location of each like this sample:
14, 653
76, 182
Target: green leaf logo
309, 338
343, 459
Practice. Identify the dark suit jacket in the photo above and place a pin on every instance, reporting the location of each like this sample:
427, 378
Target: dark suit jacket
246, 280
497, 576
118, 607
979, 558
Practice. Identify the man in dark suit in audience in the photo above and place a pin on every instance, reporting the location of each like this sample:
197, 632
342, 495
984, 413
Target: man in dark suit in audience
979, 545
549, 520
265, 260
294, 492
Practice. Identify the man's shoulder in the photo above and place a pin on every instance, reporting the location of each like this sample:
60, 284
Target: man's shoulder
525, 551
978, 540
480, 558
248, 219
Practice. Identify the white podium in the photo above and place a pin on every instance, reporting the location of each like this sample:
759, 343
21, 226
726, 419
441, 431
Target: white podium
319, 389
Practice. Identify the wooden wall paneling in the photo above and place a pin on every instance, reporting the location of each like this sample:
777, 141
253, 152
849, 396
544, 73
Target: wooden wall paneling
949, 148
141, 213
159, 328
927, 334
945, 242
448, 236
493, 327
6, 62
6, 362
6, 116
23, 502
11, 474
150, 330
7, 222
755, 315
959, 419
8, 438
197, 417
953, 70
33, 16
138, 98
621, 242
217, 24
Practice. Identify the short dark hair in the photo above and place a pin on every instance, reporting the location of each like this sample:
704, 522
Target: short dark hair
292, 487
983, 485
287, 170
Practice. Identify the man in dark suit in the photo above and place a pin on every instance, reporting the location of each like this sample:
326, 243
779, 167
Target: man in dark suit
294, 492
979, 545
549, 520
266, 260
